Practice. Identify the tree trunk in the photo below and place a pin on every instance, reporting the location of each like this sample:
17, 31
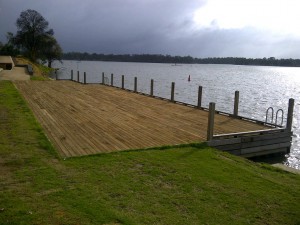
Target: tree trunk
49, 63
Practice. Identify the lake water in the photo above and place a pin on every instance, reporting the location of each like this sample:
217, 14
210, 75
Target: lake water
260, 87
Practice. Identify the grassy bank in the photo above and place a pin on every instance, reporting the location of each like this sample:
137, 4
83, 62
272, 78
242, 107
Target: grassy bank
190, 185
41, 72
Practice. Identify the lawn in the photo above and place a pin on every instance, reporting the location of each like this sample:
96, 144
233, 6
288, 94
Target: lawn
175, 185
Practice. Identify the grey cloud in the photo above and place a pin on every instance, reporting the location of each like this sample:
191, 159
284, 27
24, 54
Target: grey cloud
246, 42
148, 26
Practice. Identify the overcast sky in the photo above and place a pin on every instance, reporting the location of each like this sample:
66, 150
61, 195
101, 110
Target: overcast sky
200, 28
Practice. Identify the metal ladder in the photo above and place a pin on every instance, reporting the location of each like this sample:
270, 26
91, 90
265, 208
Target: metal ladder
276, 116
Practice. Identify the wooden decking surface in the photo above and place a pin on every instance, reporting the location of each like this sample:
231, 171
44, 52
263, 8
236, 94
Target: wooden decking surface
89, 119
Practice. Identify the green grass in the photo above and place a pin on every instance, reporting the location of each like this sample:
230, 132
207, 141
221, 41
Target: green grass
183, 185
41, 72
45, 70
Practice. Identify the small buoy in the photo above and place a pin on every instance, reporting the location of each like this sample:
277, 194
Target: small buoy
189, 79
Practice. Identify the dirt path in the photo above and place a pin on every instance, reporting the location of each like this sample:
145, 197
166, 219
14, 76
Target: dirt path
17, 73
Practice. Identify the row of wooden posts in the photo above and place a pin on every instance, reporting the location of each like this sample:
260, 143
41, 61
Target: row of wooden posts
199, 102
211, 109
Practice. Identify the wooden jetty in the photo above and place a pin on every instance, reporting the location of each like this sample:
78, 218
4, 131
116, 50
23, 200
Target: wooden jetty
90, 119
254, 143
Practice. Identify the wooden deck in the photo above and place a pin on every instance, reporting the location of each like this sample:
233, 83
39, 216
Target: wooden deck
89, 119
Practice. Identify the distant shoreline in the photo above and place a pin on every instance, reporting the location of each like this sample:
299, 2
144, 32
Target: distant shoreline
156, 58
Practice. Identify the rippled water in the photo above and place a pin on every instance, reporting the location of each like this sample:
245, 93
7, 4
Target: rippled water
260, 87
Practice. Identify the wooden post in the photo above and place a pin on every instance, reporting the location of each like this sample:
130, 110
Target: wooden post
78, 76
151, 87
135, 84
172, 91
122, 81
211, 120
103, 81
289, 121
236, 103
199, 96
71, 74
112, 80
84, 77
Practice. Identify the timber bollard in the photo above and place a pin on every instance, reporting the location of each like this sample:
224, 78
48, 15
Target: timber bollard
112, 80
289, 121
172, 91
151, 87
71, 74
211, 120
199, 96
236, 103
103, 81
84, 77
78, 76
135, 84
122, 81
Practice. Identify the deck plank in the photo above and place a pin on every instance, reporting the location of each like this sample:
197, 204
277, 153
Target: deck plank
89, 119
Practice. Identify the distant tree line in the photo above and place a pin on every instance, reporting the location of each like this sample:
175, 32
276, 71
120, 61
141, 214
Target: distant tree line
158, 58
149, 58
250, 61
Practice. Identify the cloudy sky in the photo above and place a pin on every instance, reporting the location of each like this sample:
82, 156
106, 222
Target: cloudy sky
200, 28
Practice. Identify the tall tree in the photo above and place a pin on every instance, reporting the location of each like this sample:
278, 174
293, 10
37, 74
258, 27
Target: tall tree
32, 31
51, 50
9, 48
